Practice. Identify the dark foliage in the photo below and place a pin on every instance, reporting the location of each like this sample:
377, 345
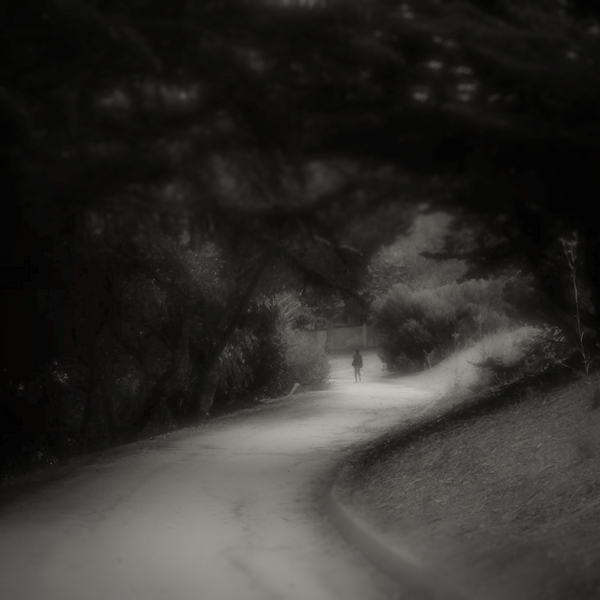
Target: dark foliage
136, 134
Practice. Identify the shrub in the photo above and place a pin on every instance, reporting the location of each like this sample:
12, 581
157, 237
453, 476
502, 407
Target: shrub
305, 363
270, 354
253, 361
419, 327
538, 353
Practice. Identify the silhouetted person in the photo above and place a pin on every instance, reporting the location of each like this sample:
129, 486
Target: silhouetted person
357, 363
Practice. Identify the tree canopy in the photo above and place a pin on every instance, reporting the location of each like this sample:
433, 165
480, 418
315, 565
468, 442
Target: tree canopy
154, 145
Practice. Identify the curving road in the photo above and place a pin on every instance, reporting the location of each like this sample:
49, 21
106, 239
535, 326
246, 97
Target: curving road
227, 511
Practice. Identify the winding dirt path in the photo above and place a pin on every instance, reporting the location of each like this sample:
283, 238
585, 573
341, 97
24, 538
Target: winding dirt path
227, 511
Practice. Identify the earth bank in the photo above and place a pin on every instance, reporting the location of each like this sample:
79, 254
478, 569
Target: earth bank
504, 501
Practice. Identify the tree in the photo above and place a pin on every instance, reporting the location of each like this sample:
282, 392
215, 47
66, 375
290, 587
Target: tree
279, 134
404, 260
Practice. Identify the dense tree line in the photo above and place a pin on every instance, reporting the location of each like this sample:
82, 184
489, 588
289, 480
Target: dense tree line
167, 166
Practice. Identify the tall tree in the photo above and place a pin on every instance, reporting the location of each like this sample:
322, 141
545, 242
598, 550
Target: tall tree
222, 115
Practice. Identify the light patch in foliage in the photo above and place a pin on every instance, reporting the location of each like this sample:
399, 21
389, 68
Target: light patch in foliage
463, 70
421, 95
435, 65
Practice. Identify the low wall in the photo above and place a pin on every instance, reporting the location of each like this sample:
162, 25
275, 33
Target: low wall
339, 338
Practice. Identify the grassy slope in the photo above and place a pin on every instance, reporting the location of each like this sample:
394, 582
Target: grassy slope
504, 499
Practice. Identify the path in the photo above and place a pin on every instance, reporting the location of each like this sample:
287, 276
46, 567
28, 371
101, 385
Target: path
227, 511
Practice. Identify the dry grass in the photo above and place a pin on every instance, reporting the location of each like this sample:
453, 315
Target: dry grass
458, 374
506, 502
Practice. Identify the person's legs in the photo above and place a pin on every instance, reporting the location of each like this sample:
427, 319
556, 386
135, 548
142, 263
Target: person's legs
359, 377
356, 374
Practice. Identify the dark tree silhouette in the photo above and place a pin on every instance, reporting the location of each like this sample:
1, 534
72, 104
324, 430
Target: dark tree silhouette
288, 133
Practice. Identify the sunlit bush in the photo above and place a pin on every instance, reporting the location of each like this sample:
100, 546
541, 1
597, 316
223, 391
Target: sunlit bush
305, 362
270, 354
544, 349
420, 327
300, 360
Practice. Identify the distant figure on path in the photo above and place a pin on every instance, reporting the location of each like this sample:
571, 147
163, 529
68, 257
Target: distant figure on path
357, 363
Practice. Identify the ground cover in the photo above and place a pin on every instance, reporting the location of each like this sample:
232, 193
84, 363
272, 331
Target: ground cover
503, 498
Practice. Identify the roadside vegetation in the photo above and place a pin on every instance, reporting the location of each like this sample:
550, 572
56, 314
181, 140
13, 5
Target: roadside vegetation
144, 386
422, 326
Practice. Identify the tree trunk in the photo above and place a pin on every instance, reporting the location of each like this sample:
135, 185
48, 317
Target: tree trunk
153, 402
181, 377
109, 413
210, 386
177, 373
592, 270
87, 410
211, 383
83, 432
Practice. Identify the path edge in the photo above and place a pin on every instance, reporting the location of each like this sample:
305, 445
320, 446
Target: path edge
396, 561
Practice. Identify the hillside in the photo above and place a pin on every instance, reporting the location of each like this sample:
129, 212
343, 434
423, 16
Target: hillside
503, 498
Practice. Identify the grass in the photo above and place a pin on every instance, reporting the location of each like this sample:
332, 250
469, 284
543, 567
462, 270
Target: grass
504, 496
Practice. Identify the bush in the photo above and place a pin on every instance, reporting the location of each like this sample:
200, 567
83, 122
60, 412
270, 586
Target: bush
541, 352
269, 355
253, 361
420, 327
305, 363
